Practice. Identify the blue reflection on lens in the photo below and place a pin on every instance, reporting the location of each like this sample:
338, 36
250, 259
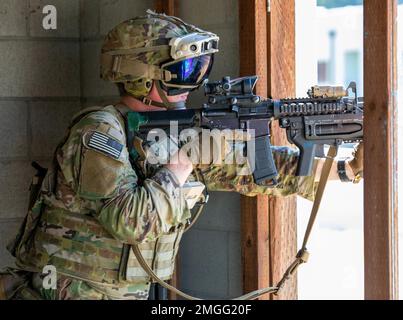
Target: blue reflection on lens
187, 68
191, 71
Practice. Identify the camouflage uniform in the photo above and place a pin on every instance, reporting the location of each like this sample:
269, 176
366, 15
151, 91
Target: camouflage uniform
93, 206
106, 192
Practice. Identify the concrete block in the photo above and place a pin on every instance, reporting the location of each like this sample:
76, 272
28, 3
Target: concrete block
204, 262
8, 230
68, 17
13, 124
98, 102
225, 66
229, 39
208, 12
234, 264
222, 212
13, 18
15, 177
232, 11
113, 12
92, 84
89, 16
49, 121
39, 68
226, 61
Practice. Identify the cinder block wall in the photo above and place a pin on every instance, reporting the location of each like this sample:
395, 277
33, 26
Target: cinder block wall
46, 76
210, 256
39, 92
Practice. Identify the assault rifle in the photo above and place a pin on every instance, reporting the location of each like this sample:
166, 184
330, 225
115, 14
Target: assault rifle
328, 116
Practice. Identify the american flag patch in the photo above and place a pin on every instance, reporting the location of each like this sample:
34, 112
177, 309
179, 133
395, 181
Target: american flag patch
103, 143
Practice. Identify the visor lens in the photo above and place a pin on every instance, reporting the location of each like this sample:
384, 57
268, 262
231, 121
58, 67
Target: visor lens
190, 72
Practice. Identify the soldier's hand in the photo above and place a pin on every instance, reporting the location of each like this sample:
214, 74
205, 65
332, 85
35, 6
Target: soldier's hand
181, 166
357, 164
207, 150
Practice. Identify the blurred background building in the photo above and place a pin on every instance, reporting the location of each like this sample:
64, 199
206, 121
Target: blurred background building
330, 52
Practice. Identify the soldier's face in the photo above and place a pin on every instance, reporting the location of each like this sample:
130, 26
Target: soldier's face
138, 106
178, 98
154, 95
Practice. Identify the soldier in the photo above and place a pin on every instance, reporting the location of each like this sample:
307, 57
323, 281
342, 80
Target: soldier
95, 205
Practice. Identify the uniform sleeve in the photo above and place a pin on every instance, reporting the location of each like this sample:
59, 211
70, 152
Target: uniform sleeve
95, 163
226, 177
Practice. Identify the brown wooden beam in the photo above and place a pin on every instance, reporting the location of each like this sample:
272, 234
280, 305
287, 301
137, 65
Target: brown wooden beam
380, 183
281, 84
254, 211
169, 7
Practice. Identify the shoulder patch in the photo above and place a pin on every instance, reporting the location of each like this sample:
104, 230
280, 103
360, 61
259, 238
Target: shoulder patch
105, 144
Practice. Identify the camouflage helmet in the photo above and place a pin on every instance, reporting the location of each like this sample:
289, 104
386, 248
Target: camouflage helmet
133, 51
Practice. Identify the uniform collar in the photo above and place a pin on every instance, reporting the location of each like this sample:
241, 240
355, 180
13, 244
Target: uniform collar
123, 109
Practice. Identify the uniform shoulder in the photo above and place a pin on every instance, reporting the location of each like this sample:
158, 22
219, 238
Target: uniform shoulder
107, 120
94, 157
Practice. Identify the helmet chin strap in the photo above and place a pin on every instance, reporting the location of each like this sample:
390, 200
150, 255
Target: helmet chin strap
167, 104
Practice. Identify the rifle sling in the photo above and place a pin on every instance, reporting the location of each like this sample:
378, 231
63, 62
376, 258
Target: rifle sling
301, 257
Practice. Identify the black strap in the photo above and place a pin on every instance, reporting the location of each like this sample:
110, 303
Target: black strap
341, 170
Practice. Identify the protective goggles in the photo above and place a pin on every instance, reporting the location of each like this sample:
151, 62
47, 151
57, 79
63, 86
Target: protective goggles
187, 74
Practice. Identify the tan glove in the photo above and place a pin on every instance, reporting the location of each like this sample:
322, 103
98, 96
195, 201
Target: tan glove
357, 164
207, 150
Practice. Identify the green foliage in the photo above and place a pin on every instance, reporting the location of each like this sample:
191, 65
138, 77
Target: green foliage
341, 3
